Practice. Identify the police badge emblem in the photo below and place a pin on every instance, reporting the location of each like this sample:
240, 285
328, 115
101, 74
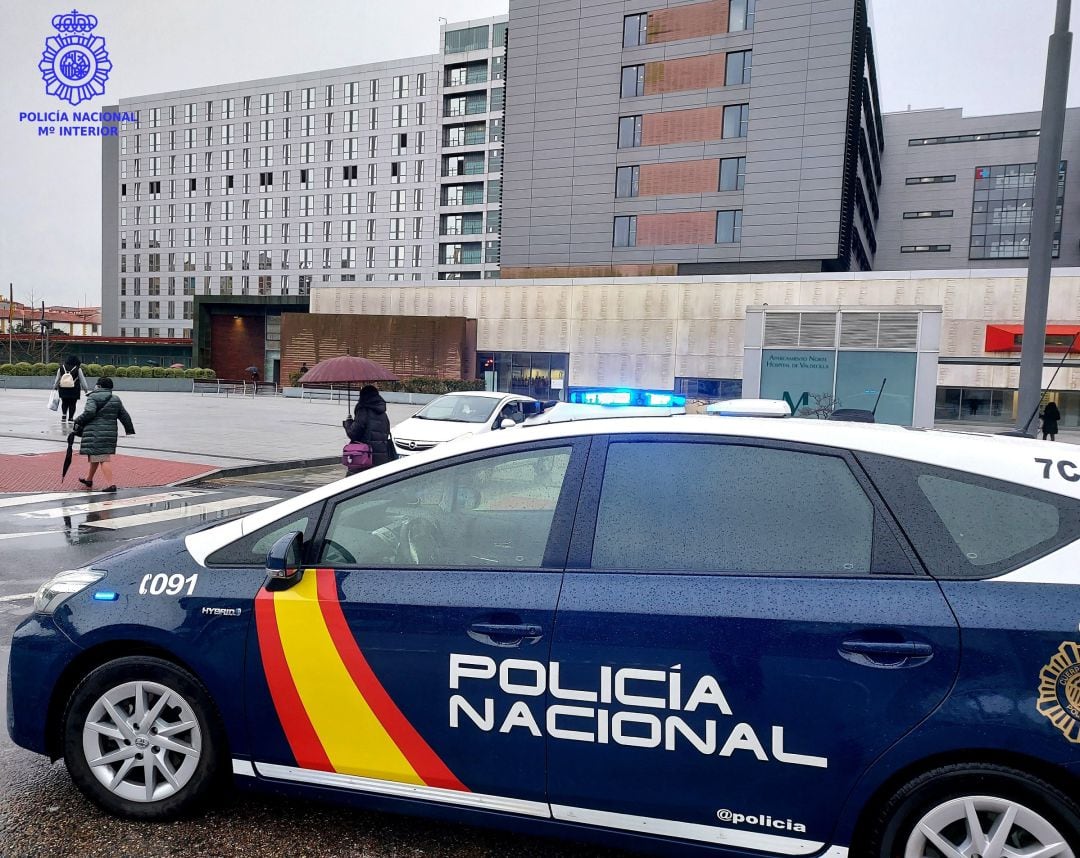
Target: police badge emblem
1059, 690
75, 64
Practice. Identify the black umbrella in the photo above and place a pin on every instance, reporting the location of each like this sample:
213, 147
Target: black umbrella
67, 455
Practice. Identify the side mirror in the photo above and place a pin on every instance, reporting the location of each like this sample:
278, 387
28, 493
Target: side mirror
283, 558
506, 423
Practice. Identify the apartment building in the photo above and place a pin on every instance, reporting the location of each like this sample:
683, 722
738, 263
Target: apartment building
386, 171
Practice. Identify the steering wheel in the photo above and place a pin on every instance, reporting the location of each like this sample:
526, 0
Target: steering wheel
421, 539
330, 548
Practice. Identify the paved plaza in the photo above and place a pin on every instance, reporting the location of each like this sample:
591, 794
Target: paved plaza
177, 436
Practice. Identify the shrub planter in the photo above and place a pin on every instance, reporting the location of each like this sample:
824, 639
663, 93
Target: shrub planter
150, 385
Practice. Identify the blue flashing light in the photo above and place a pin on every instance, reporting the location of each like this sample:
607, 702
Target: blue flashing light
106, 596
628, 397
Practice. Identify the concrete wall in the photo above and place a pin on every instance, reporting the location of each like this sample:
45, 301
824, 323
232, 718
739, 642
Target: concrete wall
645, 332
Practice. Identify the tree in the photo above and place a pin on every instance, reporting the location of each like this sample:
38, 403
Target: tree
824, 405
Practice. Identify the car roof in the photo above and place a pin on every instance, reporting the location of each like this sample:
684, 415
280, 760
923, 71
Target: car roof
1016, 460
487, 394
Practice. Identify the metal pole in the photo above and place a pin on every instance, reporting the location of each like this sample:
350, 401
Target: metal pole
10, 318
1042, 220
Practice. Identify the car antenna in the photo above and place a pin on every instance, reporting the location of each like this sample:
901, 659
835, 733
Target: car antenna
880, 391
1023, 433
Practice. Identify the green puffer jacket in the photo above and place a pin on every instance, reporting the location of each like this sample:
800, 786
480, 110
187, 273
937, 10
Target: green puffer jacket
98, 422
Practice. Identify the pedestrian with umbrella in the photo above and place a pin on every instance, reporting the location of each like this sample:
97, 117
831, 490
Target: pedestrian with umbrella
368, 426
97, 428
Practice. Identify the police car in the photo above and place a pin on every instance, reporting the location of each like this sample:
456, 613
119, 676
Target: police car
740, 636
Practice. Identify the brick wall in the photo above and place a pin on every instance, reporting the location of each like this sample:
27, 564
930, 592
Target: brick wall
688, 22
682, 177
237, 342
682, 126
690, 73
654, 230
648, 269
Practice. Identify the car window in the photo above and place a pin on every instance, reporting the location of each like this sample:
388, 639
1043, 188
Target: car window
459, 409
250, 550
495, 511
989, 525
967, 526
682, 506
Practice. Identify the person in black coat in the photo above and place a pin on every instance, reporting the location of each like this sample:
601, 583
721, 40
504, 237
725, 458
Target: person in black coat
1050, 418
370, 425
70, 384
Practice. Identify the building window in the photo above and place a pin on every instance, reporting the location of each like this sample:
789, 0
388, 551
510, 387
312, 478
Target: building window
918, 215
732, 174
626, 181
469, 39
401, 86
729, 227
736, 120
630, 131
626, 231
635, 30
928, 180
926, 248
741, 15
633, 81
973, 138
737, 71
1001, 211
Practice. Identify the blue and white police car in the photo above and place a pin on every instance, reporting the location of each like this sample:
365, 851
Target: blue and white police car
737, 636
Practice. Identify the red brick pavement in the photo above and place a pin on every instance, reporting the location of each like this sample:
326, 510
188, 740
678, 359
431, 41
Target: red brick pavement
41, 472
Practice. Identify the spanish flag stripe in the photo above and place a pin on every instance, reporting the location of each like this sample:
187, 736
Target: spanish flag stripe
299, 731
355, 740
420, 755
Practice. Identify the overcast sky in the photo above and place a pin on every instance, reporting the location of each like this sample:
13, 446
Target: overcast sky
987, 56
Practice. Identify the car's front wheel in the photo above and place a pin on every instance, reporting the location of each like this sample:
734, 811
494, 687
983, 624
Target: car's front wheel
141, 738
978, 811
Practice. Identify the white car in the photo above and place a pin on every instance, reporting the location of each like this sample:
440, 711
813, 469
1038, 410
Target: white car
456, 415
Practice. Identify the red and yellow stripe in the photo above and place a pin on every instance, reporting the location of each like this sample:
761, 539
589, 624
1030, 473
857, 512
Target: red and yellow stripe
336, 715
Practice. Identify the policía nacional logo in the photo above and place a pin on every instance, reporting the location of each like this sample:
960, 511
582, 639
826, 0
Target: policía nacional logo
1059, 690
75, 64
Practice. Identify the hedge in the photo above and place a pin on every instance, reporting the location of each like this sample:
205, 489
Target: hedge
93, 370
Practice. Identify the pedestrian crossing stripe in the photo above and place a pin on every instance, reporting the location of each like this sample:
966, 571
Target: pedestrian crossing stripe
187, 511
118, 503
46, 497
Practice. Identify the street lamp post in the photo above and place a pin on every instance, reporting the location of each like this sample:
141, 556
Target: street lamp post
1052, 128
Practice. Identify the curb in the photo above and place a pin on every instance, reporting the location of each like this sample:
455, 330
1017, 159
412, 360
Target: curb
247, 470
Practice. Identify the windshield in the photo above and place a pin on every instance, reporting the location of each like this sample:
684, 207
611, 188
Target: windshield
459, 409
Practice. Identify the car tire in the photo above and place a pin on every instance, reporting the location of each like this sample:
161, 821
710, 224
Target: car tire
152, 771
939, 803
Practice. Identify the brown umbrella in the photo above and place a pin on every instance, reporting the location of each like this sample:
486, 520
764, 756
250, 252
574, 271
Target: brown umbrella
348, 370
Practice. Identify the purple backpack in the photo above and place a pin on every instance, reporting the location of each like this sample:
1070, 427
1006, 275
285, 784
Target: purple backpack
356, 456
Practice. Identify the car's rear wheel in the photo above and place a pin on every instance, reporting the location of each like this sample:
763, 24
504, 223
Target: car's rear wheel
978, 811
141, 738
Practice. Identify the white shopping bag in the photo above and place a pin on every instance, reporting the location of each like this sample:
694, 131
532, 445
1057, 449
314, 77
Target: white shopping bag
54, 401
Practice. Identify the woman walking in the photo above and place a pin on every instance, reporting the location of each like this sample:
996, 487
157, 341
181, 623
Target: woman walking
370, 425
97, 425
71, 384
1050, 418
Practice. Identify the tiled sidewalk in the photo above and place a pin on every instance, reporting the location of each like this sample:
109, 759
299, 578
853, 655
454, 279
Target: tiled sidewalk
41, 472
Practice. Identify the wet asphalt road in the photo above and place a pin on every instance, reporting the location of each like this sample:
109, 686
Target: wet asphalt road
42, 814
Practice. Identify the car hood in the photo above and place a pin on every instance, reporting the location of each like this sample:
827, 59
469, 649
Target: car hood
433, 431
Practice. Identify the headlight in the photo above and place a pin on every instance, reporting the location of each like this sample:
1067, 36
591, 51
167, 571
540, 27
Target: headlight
53, 592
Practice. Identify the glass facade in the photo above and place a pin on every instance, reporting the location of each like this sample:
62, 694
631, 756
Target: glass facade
541, 375
815, 381
1001, 211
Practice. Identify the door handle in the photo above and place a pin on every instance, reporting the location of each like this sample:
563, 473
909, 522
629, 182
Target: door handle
888, 654
505, 634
